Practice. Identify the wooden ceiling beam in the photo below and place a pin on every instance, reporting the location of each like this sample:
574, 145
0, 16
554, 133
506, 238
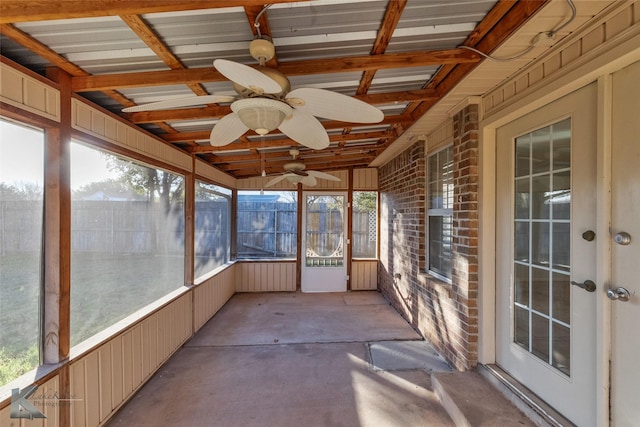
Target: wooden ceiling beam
501, 21
264, 30
284, 142
329, 124
151, 39
57, 60
303, 156
293, 68
43, 10
385, 32
220, 111
309, 163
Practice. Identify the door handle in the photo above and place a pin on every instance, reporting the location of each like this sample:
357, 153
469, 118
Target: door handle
588, 285
618, 294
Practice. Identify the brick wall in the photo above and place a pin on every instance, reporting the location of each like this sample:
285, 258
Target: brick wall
445, 314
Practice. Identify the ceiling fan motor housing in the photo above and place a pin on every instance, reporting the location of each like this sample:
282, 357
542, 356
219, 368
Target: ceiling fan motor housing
262, 50
294, 166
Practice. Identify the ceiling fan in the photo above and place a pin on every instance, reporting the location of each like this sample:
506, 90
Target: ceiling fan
295, 172
264, 102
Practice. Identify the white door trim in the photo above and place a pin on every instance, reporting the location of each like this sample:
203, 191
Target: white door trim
333, 279
487, 266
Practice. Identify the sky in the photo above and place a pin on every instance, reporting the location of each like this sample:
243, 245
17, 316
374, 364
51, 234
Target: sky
22, 158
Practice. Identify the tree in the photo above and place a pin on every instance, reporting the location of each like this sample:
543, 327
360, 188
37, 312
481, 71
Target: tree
31, 191
109, 186
365, 201
155, 184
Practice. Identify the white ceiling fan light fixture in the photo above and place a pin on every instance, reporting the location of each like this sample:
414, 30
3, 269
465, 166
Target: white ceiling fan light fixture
295, 173
265, 102
262, 115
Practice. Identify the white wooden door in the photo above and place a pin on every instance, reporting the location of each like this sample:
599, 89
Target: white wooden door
625, 265
546, 180
324, 257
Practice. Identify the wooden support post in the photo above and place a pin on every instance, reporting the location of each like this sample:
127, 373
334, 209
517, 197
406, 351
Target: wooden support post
57, 239
189, 224
299, 241
349, 227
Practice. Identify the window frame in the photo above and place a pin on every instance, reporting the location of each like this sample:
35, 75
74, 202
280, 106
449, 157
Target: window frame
377, 220
238, 231
36, 268
229, 197
441, 212
79, 346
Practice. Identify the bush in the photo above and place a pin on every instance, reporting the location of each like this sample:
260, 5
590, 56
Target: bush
13, 365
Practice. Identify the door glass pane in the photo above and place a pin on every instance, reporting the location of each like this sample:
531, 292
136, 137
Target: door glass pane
540, 336
523, 201
522, 284
521, 327
561, 297
542, 244
540, 290
540, 196
561, 346
562, 144
523, 157
540, 150
561, 195
324, 231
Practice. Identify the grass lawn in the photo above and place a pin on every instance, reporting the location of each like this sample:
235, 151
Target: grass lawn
104, 290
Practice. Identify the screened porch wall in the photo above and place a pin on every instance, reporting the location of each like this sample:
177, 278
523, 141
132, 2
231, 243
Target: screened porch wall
281, 275
103, 372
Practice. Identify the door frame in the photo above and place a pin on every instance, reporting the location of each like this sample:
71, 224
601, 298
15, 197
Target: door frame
573, 395
346, 238
598, 70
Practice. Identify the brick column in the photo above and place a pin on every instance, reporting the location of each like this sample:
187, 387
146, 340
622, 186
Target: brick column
465, 228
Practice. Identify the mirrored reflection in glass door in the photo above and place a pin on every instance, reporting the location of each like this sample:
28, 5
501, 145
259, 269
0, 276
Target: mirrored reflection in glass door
541, 286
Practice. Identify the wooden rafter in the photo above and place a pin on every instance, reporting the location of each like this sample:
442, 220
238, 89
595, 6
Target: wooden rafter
252, 13
151, 39
44, 10
389, 23
249, 156
292, 68
53, 57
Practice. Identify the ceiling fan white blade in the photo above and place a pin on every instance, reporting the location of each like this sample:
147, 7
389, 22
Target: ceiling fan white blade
334, 106
247, 76
305, 129
276, 180
309, 180
228, 129
323, 175
187, 101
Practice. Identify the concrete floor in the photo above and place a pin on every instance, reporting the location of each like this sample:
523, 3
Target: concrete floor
292, 359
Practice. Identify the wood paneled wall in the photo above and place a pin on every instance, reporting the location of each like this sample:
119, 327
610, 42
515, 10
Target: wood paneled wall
599, 43
265, 276
48, 389
364, 275
206, 171
103, 379
106, 377
210, 295
28, 93
365, 179
92, 121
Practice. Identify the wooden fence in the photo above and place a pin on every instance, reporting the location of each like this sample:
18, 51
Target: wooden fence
264, 229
